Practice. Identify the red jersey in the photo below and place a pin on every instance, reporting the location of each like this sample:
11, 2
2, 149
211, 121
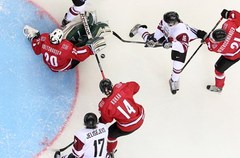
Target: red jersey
121, 106
230, 47
59, 57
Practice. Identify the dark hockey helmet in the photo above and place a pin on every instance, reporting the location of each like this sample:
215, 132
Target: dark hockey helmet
171, 18
90, 120
219, 35
105, 86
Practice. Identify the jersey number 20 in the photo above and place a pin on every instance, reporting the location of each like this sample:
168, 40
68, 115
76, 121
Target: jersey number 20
51, 59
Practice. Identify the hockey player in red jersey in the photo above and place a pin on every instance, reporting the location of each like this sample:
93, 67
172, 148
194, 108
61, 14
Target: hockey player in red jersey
225, 41
90, 142
119, 105
60, 54
171, 33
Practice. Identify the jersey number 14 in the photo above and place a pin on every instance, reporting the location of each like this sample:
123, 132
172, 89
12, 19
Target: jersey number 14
129, 108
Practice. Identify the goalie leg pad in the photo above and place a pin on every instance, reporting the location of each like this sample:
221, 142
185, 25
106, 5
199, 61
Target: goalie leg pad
96, 44
100, 29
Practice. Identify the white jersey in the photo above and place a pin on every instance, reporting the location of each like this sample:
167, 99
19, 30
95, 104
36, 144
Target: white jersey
180, 35
91, 143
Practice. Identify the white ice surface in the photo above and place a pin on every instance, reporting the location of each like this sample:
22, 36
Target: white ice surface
194, 123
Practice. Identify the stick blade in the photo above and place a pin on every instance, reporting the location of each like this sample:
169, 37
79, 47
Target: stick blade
115, 34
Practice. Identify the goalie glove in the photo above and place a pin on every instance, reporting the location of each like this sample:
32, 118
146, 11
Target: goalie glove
30, 32
96, 44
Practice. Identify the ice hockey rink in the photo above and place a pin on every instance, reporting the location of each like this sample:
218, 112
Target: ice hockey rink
194, 123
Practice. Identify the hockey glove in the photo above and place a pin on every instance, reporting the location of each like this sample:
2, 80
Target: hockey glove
151, 41
164, 42
202, 34
96, 44
225, 13
30, 32
167, 45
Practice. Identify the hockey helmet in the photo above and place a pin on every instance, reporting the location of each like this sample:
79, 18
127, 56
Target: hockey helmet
90, 120
171, 18
56, 36
105, 86
218, 35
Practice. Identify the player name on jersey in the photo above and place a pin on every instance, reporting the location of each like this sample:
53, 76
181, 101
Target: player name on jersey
95, 132
50, 49
115, 99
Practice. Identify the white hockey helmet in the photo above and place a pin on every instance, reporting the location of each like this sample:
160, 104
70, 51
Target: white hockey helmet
56, 36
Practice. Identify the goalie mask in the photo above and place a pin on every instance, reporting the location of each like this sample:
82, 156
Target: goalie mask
90, 120
106, 86
56, 36
171, 18
218, 35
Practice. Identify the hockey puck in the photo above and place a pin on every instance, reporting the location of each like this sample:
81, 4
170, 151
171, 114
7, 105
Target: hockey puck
102, 55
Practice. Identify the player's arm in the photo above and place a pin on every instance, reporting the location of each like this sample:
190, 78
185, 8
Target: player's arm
235, 15
105, 113
93, 46
105, 119
37, 44
33, 35
212, 46
158, 37
134, 86
80, 53
231, 14
77, 149
159, 31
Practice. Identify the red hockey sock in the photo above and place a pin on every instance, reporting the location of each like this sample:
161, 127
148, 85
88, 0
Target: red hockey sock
112, 144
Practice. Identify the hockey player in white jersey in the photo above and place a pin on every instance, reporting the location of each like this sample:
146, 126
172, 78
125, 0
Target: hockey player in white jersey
90, 142
77, 8
171, 33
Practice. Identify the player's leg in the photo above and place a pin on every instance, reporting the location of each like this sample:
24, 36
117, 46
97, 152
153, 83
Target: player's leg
114, 133
220, 67
138, 28
178, 63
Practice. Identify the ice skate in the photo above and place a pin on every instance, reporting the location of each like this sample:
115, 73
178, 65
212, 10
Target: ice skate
214, 88
174, 86
110, 155
134, 30
64, 21
57, 154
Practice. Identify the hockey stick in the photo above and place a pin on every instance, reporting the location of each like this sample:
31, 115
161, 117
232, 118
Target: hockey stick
89, 35
62, 149
201, 44
126, 41
115, 34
